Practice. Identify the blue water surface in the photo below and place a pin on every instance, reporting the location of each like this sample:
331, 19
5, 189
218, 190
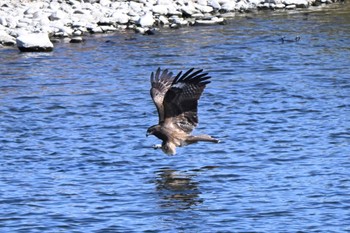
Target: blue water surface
74, 156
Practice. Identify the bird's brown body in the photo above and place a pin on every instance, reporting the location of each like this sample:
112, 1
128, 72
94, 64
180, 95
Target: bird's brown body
176, 99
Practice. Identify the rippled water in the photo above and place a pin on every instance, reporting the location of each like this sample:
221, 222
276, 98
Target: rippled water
74, 156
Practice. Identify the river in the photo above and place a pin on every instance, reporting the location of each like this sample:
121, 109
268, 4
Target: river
75, 158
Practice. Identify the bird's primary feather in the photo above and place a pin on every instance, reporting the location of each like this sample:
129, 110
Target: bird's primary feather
181, 99
160, 82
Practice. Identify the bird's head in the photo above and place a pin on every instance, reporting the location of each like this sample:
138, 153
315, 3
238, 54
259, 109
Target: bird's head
151, 130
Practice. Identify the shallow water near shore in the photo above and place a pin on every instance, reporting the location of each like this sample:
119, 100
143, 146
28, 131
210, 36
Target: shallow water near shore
74, 156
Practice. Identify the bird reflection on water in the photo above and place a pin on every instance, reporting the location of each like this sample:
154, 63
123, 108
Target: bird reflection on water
177, 190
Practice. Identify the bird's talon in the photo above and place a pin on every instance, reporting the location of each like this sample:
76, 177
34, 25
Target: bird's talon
157, 146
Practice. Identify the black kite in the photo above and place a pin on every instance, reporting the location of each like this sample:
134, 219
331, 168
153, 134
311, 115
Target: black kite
176, 99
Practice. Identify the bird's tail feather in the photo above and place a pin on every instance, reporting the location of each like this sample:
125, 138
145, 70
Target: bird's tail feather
201, 138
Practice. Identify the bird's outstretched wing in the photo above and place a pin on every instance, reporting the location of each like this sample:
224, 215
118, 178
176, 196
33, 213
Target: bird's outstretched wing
181, 99
160, 84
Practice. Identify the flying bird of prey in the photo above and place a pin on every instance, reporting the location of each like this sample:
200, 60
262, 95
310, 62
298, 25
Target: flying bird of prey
176, 99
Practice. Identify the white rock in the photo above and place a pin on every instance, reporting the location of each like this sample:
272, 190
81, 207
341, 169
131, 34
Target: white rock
140, 30
214, 3
107, 28
121, 6
116, 5
164, 20
106, 21
135, 6
66, 31
74, 4
6, 39
149, 4
42, 21
289, 7
274, 1
301, 3
122, 27
202, 2
204, 22
12, 22
39, 14
146, 20
173, 10
56, 24
89, 6
178, 21
189, 9
105, 2
228, 15
164, 2
25, 21
120, 17
34, 42
198, 16
280, 6
54, 6
58, 15
96, 30
77, 33
30, 10
3, 21
214, 20
141, 1
98, 14
229, 6
218, 20
160, 9
66, 8
265, 5
22, 25
293, 2
242, 5
203, 9
76, 39
174, 25
254, 3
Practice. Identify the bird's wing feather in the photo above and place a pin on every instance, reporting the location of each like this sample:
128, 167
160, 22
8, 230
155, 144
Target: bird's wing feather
160, 84
181, 99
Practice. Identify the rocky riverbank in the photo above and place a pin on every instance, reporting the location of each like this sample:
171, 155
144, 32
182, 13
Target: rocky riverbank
73, 18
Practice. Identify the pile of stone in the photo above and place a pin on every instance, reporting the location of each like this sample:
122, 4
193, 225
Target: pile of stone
73, 18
